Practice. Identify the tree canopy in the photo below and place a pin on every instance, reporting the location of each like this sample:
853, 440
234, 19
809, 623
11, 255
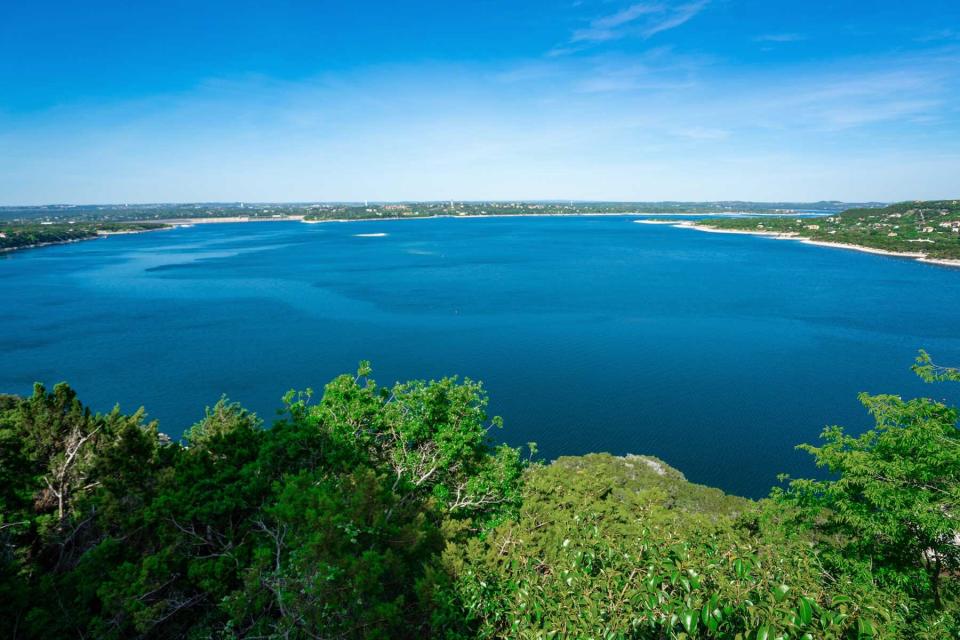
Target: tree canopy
390, 512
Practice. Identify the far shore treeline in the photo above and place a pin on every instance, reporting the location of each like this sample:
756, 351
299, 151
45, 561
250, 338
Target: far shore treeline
389, 512
928, 229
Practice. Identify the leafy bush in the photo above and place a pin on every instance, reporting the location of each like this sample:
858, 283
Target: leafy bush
608, 548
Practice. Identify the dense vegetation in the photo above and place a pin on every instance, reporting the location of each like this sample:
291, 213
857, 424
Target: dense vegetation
365, 211
21, 235
389, 513
930, 228
466, 209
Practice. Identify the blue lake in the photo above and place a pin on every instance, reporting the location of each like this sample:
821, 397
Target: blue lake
717, 353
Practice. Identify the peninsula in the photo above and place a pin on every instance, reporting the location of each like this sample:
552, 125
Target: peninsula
925, 230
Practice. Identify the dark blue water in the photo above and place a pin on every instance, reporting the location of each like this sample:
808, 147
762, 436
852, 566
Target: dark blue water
717, 353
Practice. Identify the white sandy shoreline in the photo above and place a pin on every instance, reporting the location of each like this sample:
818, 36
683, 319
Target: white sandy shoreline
229, 219
915, 255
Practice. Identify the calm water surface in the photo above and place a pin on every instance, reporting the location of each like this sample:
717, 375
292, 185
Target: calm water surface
717, 353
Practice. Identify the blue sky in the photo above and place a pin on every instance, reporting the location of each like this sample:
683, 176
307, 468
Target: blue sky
590, 99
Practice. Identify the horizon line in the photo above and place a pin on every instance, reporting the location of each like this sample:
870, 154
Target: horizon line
371, 202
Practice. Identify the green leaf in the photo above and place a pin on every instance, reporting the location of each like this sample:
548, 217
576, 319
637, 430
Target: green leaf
708, 617
805, 611
780, 592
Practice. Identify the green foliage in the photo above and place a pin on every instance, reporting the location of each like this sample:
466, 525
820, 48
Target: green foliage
931, 372
893, 500
609, 548
332, 521
22, 235
219, 422
930, 228
375, 512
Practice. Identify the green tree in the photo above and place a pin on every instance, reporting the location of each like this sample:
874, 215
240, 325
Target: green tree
893, 497
375, 483
331, 523
222, 419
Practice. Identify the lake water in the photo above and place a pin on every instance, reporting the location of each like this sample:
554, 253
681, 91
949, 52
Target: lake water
717, 353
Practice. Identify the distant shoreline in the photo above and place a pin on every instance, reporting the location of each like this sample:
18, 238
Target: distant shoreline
914, 255
683, 224
40, 245
491, 215
556, 215
175, 222
96, 236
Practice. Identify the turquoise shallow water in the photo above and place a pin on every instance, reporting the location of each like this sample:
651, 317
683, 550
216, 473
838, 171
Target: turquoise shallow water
715, 352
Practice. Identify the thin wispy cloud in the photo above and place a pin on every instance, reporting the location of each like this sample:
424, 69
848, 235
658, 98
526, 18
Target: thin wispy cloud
644, 19
676, 17
624, 16
826, 104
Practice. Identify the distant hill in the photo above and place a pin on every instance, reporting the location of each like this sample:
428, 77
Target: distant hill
918, 208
